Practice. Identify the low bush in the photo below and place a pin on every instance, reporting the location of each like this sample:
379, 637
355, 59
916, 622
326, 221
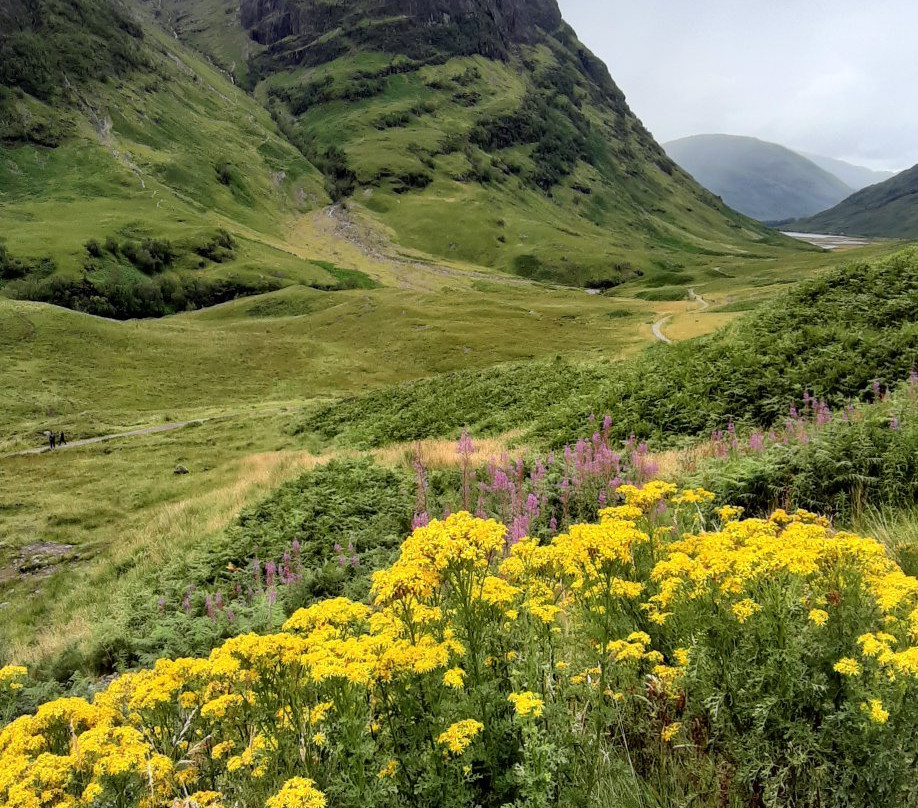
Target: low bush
321, 535
833, 462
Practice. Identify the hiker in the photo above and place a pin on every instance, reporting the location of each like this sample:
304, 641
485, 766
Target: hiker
62, 441
51, 439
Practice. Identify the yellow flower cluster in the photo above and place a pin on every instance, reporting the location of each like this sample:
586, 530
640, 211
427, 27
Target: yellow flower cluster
299, 792
460, 735
526, 703
874, 709
11, 677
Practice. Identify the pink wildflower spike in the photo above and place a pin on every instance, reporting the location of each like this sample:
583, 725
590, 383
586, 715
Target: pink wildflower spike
465, 446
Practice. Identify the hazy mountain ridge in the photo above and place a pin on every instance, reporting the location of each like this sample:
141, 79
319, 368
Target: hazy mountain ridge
886, 210
763, 180
854, 176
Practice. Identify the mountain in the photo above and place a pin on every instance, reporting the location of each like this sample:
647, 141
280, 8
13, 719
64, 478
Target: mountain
135, 180
480, 131
854, 176
763, 180
887, 210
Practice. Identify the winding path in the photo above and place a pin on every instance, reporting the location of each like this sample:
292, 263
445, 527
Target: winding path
657, 327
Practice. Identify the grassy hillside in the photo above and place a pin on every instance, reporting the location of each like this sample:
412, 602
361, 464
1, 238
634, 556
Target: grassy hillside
473, 140
763, 180
886, 210
154, 158
833, 335
114, 511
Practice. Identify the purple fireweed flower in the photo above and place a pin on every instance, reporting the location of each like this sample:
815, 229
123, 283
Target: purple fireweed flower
894, 423
218, 601
230, 615
209, 608
270, 572
756, 442
161, 604
519, 529
186, 602
500, 481
295, 547
553, 524
532, 506
272, 596
465, 446
602, 499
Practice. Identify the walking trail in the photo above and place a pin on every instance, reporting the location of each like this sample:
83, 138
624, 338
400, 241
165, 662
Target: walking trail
150, 430
657, 327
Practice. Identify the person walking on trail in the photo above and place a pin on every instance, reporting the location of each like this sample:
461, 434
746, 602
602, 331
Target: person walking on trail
51, 440
62, 441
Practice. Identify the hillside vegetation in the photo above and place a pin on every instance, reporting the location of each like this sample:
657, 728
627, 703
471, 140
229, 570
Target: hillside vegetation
833, 335
763, 180
168, 186
667, 655
886, 210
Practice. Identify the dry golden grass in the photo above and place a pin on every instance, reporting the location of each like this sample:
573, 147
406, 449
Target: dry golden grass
148, 542
442, 454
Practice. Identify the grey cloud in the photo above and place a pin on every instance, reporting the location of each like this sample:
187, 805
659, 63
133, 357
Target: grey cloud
834, 78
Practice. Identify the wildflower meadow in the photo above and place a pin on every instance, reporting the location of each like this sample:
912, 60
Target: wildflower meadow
672, 653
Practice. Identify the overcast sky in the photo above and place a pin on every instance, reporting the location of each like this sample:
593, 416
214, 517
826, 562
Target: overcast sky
832, 77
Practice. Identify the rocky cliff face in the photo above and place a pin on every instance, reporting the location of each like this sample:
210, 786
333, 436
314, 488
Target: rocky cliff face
310, 30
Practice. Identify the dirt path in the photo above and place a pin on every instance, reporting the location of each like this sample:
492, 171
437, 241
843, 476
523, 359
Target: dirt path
133, 433
693, 295
657, 327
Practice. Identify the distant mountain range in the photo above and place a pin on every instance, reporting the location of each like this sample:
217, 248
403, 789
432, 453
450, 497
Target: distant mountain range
855, 177
766, 181
888, 210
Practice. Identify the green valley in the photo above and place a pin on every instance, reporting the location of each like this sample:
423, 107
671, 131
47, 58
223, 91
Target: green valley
379, 405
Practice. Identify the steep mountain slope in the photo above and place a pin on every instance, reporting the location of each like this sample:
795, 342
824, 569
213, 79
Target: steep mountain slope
762, 180
855, 177
480, 130
887, 210
134, 178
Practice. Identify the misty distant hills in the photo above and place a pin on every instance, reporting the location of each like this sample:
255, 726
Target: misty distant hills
763, 180
888, 210
856, 177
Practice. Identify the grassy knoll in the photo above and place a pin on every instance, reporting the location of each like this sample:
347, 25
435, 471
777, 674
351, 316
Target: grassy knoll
288, 346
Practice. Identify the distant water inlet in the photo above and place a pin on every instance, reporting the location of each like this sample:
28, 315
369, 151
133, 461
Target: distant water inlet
827, 241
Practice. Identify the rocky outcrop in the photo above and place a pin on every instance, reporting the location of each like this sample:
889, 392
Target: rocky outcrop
489, 27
